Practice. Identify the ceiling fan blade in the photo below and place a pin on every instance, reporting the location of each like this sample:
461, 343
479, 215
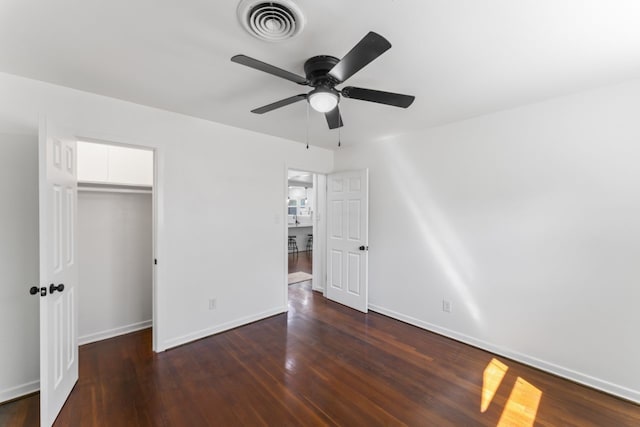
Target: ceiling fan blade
334, 118
388, 98
278, 104
267, 68
367, 49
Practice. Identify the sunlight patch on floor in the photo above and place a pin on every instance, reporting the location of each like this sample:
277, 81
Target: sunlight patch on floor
522, 407
491, 380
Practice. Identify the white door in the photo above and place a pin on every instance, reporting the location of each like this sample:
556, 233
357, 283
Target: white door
348, 238
58, 270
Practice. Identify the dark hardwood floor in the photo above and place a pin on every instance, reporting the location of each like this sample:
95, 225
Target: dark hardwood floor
301, 261
21, 412
320, 364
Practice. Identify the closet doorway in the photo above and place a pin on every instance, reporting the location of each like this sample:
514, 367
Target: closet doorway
115, 240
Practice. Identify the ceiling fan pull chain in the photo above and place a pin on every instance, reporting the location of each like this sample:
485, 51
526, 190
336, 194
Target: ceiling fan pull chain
339, 141
307, 125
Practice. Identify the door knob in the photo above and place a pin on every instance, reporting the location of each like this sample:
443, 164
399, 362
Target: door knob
53, 288
364, 248
36, 290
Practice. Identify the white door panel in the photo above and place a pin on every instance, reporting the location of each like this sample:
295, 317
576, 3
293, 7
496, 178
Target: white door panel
347, 240
58, 269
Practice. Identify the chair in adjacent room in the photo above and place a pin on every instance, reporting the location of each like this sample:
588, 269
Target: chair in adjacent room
293, 244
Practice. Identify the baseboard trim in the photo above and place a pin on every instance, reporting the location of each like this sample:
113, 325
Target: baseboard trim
110, 333
19, 391
203, 333
578, 377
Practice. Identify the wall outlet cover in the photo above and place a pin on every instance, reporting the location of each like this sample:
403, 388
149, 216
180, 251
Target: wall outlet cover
446, 306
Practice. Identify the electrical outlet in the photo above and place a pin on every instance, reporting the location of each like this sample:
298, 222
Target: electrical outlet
212, 304
446, 306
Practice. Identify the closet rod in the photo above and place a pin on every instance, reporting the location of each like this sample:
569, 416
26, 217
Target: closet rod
113, 190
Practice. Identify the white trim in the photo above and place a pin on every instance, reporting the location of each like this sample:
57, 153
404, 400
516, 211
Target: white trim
319, 267
156, 237
110, 333
19, 391
284, 245
578, 377
203, 333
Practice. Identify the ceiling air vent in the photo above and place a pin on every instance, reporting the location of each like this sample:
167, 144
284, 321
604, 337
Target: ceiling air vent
272, 21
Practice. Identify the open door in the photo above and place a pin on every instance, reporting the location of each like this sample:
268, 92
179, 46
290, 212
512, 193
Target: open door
348, 238
58, 270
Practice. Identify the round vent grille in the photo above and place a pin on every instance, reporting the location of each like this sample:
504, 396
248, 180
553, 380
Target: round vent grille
271, 20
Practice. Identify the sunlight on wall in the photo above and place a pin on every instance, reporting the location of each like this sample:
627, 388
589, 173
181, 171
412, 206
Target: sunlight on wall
521, 407
436, 231
491, 379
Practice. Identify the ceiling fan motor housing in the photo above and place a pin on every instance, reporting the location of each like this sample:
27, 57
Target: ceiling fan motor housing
317, 70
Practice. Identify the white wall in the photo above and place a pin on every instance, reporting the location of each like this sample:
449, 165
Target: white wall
115, 258
528, 221
319, 233
19, 313
201, 168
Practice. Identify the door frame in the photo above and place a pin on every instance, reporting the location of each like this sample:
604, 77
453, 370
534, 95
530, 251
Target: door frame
156, 192
319, 236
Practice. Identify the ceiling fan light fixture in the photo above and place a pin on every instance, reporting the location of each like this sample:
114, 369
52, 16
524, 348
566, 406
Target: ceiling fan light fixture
323, 99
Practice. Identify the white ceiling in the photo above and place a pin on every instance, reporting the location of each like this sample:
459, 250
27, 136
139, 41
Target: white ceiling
459, 58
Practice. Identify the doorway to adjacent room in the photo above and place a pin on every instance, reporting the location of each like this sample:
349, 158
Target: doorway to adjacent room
301, 218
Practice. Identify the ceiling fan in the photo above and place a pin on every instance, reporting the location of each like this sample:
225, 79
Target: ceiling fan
325, 72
